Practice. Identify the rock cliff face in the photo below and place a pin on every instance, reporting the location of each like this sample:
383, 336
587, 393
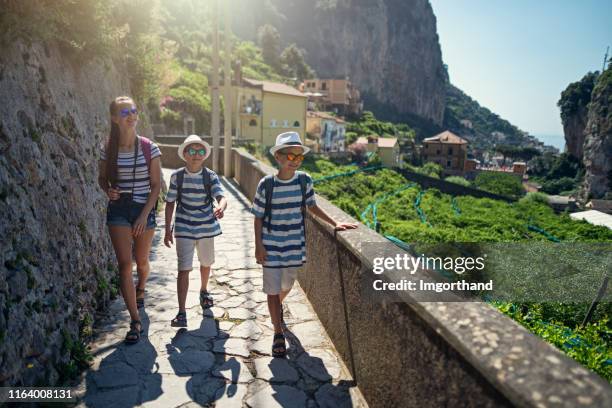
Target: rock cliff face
389, 48
55, 259
597, 155
573, 104
573, 129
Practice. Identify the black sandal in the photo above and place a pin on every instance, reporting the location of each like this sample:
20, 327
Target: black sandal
180, 320
133, 336
206, 300
278, 343
139, 301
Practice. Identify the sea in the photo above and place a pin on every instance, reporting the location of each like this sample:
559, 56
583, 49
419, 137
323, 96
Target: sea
557, 141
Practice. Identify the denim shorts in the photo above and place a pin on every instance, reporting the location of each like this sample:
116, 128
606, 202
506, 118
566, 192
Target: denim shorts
121, 213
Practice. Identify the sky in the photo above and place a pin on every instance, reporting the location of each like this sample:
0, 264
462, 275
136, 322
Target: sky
515, 57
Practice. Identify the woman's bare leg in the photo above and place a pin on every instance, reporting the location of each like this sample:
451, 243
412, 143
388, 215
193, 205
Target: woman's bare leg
142, 248
121, 237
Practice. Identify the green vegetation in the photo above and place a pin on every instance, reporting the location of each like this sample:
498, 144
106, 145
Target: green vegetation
500, 183
561, 174
458, 180
558, 324
460, 106
577, 96
93, 29
185, 87
80, 356
468, 219
367, 125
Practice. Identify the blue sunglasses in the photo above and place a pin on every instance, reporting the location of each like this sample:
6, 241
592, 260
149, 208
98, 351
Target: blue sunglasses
124, 113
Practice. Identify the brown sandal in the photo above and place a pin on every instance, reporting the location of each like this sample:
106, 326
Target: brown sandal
133, 336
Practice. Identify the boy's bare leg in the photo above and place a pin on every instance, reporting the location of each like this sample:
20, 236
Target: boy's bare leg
204, 275
182, 286
274, 306
284, 294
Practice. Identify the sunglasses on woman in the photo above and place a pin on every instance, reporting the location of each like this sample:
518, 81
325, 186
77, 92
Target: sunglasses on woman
193, 152
294, 157
124, 113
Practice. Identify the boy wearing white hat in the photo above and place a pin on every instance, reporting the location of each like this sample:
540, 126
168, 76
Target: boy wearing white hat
193, 189
278, 206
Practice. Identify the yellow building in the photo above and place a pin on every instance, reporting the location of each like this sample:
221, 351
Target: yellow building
387, 148
264, 109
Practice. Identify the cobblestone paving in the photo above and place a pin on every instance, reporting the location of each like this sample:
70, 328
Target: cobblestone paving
223, 357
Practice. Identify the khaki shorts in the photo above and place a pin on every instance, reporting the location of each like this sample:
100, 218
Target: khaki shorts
185, 248
277, 279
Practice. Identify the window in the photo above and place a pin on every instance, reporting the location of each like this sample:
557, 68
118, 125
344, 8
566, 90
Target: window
450, 150
296, 124
323, 85
273, 123
438, 151
448, 163
285, 123
253, 122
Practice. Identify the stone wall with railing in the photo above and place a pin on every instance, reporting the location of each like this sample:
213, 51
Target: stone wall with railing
424, 354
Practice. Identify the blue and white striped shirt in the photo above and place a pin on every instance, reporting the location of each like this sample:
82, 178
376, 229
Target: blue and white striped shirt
191, 220
285, 243
126, 175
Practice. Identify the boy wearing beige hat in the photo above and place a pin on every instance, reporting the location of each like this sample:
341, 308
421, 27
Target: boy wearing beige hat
193, 189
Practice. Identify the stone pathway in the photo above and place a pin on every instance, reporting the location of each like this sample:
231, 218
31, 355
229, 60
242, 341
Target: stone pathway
222, 358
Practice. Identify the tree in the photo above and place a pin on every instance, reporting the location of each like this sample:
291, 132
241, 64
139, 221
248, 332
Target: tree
506, 151
527, 153
269, 41
293, 64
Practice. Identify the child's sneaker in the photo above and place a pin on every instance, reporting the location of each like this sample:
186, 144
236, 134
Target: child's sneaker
206, 300
180, 320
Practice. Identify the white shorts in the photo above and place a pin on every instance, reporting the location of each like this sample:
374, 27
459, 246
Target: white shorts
185, 248
277, 279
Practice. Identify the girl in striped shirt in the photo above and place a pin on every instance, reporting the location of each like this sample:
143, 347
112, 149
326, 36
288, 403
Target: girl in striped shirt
130, 174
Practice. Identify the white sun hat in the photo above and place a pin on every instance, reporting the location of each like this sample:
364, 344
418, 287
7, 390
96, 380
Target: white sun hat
288, 139
193, 139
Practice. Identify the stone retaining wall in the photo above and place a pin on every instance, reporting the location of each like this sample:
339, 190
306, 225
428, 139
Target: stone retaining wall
427, 354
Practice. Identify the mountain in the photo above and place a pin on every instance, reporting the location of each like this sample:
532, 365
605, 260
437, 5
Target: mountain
482, 122
587, 124
388, 48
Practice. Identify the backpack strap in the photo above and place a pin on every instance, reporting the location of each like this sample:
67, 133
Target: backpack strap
145, 145
268, 189
207, 187
304, 186
180, 176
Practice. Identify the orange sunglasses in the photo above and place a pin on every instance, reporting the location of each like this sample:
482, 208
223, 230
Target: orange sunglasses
294, 157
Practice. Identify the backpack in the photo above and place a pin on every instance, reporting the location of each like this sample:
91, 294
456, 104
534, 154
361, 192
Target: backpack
269, 189
145, 145
180, 176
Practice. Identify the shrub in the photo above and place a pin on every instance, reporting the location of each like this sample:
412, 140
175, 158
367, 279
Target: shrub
458, 180
532, 197
558, 186
499, 183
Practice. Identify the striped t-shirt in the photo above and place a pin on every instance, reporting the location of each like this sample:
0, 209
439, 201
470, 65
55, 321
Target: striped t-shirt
127, 178
285, 244
193, 220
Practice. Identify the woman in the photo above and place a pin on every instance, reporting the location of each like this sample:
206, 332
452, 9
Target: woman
130, 174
